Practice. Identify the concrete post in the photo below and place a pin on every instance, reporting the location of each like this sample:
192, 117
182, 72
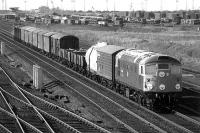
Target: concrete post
37, 76
2, 48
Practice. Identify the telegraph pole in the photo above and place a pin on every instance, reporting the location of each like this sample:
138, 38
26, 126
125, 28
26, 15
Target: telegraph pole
25, 4
177, 5
5, 4
2, 4
107, 5
84, 5
114, 5
47, 3
192, 4
186, 4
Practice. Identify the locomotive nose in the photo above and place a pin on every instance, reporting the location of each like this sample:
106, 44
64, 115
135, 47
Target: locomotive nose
162, 87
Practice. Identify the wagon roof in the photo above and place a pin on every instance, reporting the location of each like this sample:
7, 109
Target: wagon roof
43, 32
32, 29
49, 33
110, 49
60, 35
27, 28
37, 30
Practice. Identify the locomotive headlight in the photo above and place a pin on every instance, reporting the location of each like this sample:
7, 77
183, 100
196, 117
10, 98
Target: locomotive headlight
178, 86
149, 86
162, 74
162, 86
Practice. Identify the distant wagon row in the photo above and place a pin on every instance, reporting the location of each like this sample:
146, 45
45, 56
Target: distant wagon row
60, 45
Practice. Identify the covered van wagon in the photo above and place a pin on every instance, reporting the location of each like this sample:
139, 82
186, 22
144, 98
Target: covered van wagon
60, 41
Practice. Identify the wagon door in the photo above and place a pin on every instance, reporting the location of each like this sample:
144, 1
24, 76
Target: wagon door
57, 48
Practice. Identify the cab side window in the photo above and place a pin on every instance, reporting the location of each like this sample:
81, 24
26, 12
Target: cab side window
141, 69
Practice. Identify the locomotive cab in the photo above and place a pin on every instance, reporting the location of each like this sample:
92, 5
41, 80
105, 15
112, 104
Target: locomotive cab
148, 77
162, 77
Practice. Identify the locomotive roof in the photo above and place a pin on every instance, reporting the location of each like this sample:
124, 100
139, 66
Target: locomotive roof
144, 57
110, 49
161, 59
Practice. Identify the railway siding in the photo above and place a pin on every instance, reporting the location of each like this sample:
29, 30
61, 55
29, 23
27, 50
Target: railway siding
26, 111
167, 129
183, 129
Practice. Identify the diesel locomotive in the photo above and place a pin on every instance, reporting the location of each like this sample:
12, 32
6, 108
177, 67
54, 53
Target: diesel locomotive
149, 78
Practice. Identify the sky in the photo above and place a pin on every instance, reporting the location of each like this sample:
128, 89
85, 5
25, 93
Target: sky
118, 5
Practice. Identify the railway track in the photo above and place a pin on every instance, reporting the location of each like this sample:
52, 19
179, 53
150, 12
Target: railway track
41, 114
128, 107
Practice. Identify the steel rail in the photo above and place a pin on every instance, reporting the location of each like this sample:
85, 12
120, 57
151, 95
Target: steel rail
39, 115
9, 106
4, 128
185, 130
68, 112
187, 118
180, 127
27, 104
115, 118
188, 108
125, 109
13, 116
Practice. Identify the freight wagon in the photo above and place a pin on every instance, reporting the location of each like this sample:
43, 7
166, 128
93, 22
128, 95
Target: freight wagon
149, 78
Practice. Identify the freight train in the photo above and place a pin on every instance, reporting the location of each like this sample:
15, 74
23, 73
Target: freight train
149, 78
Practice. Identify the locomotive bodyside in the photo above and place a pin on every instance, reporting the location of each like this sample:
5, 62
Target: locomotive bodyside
150, 76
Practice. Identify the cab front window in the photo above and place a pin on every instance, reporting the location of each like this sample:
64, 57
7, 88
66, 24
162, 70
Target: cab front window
150, 70
163, 66
175, 69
